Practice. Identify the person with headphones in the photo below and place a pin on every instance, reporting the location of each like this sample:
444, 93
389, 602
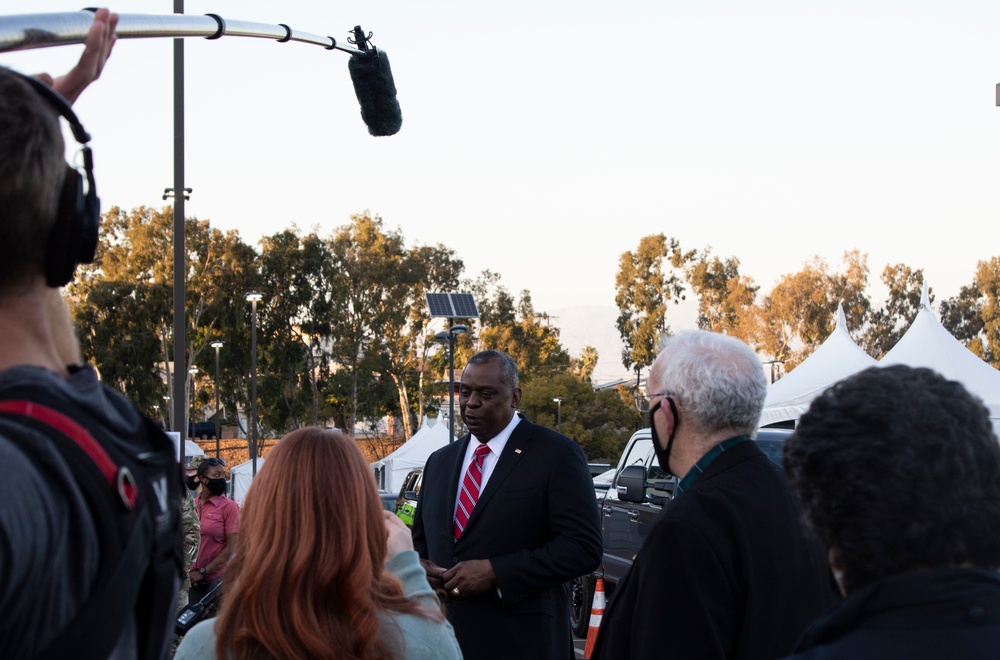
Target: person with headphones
89, 488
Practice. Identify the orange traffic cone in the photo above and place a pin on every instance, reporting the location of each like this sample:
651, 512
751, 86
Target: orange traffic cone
595, 618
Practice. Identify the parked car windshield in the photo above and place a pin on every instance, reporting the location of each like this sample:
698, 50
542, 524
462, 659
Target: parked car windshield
772, 443
640, 449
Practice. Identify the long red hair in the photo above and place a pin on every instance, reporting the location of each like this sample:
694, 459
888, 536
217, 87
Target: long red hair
308, 579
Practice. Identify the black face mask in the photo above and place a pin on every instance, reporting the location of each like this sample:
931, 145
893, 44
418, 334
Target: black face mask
191, 482
217, 486
663, 455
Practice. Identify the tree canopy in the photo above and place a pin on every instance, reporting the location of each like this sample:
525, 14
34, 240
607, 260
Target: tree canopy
786, 324
344, 336
345, 339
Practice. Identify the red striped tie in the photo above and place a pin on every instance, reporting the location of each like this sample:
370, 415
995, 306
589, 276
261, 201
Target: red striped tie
471, 485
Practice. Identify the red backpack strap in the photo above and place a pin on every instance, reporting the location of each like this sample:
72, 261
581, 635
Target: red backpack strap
92, 634
120, 479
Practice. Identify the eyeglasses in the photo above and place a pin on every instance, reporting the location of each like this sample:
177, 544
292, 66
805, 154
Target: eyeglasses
642, 400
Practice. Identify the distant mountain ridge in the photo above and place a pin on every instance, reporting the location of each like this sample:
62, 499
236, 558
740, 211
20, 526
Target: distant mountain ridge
592, 325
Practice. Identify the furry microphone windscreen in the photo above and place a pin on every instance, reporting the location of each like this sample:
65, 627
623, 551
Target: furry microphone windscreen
376, 92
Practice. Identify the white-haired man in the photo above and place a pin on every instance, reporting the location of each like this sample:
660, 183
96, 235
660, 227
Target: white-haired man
726, 570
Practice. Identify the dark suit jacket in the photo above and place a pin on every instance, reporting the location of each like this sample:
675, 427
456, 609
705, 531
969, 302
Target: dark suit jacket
726, 571
536, 521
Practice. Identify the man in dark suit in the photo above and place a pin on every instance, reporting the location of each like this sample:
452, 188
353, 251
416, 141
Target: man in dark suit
726, 571
505, 518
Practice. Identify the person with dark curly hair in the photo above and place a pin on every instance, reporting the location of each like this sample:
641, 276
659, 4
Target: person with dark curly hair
898, 470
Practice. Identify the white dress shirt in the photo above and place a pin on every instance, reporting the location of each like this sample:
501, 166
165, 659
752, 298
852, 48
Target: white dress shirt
496, 445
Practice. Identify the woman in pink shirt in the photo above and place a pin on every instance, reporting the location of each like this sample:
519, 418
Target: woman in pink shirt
220, 525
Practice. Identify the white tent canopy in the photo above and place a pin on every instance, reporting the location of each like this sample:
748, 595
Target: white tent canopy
241, 476
411, 455
927, 343
191, 448
836, 358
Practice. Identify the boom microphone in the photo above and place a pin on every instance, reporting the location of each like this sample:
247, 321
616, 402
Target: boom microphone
369, 67
374, 88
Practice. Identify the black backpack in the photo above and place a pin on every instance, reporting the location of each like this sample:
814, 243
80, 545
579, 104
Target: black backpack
133, 488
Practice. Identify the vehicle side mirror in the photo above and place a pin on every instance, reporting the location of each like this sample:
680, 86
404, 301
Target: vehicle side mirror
410, 495
632, 484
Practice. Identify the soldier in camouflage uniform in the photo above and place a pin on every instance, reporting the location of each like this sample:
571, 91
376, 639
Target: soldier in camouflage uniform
192, 537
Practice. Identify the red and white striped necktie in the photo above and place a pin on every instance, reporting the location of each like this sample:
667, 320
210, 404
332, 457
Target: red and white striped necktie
472, 483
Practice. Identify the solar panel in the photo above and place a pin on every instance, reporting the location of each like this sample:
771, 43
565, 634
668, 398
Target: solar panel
465, 306
439, 304
452, 305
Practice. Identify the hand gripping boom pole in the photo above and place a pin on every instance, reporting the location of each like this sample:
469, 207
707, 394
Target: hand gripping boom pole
368, 66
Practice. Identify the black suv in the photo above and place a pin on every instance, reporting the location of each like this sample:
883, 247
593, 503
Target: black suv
639, 490
201, 430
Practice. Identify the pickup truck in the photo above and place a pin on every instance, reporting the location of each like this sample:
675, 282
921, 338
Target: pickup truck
639, 490
406, 501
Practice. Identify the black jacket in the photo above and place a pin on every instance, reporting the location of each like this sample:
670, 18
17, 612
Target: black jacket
726, 571
951, 613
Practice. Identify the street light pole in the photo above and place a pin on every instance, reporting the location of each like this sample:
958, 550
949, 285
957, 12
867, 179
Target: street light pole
217, 344
449, 337
254, 297
190, 427
180, 265
558, 401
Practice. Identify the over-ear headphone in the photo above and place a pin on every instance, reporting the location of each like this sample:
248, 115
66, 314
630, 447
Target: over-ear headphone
73, 239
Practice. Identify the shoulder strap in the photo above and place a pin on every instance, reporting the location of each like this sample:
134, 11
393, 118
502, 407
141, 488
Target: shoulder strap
97, 627
119, 478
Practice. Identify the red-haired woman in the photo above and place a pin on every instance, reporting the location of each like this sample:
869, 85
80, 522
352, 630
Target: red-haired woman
321, 570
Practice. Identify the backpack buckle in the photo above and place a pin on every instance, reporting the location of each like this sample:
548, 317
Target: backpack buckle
128, 490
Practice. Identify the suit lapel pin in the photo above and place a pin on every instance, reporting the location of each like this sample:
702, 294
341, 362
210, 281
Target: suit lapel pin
517, 451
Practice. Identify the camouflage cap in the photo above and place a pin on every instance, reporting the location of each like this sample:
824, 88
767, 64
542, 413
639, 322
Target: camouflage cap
202, 463
196, 462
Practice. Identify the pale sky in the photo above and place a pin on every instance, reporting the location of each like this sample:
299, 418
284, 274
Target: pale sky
542, 139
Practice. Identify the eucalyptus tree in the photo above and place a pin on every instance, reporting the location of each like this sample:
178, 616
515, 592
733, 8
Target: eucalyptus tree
725, 297
511, 325
122, 302
599, 420
530, 340
297, 274
647, 280
887, 324
372, 282
973, 316
407, 341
